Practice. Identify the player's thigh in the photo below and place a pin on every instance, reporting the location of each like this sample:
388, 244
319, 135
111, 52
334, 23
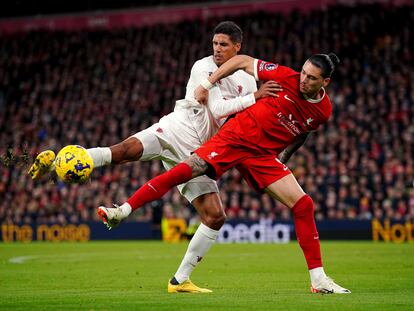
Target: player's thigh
152, 148
286, 190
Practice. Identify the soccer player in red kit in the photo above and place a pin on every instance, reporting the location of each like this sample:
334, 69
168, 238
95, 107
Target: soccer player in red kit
253, 140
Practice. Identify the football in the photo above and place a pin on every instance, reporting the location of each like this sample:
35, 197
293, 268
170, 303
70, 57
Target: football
74, 164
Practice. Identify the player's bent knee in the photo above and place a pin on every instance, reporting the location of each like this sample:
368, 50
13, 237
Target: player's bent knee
214, 221
303, 206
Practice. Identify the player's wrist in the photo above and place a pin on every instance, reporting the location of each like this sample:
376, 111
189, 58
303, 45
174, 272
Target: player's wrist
206, 84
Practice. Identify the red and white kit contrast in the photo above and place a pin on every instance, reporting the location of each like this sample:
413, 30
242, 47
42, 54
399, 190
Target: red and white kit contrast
252, 140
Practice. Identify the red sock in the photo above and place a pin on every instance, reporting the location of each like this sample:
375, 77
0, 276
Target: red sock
158, 186
306, 231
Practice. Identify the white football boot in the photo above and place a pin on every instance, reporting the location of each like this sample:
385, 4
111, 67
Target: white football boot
326, 285
111, 216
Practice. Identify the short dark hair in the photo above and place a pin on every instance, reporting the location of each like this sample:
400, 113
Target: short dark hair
327, 63
231, 29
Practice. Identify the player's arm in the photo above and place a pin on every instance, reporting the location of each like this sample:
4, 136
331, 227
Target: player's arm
238, 62
243, 62
221, 107
292, 148
218, 105
235, 63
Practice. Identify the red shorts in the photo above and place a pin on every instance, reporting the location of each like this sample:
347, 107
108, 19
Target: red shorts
259, 170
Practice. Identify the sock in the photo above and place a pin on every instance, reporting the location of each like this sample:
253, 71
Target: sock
158, 186
198, 247
125, 209
316, 274
100, 156
306, 231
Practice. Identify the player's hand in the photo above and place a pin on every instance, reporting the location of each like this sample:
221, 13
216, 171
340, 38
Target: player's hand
269, 88
201, 95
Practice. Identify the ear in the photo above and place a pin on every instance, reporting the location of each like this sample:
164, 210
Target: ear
326, 82
237, 46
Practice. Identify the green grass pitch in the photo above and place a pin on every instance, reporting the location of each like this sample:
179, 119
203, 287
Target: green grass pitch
133, 276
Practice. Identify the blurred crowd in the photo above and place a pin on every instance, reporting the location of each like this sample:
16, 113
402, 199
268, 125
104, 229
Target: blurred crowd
98, 88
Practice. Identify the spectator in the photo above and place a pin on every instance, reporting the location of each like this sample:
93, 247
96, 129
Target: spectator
98, 87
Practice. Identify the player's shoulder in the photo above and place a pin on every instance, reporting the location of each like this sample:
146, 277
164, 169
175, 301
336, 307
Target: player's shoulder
244, 76
268, 67
205, 63
288, 70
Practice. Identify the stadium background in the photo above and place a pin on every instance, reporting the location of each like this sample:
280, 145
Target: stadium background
96, 83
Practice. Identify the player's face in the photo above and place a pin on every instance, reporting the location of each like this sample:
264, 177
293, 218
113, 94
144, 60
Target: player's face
311, 80
224, 48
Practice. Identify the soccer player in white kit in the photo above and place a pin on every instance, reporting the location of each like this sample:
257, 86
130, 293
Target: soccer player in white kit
173, 139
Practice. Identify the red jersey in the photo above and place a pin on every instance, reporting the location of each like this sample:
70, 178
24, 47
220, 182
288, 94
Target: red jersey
273, 123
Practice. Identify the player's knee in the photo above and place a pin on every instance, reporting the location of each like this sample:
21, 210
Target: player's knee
214, 220
303, 206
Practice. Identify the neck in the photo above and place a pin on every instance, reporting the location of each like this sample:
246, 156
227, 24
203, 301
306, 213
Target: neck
317, 97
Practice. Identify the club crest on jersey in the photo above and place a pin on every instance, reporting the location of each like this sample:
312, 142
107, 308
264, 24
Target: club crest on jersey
239, 89
270, 66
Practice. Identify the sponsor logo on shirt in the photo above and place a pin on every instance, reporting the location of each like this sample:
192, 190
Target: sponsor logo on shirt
291, 119
288, 124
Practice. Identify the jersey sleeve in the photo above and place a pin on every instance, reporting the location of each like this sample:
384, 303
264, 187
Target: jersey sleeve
265, 71
218, 105
222, 108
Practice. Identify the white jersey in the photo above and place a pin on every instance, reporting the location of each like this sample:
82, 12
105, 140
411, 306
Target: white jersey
185, 129
228, 96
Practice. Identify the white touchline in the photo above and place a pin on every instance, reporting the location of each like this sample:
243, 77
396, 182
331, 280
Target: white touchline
21, 259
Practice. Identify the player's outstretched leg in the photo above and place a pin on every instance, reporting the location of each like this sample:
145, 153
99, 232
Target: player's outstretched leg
43, 164
45, 161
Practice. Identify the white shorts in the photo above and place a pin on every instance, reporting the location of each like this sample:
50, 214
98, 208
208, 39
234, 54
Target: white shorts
172, 140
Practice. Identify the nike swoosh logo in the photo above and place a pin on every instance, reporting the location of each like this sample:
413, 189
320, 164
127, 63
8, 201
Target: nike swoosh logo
327, 291
149, 185
291, 100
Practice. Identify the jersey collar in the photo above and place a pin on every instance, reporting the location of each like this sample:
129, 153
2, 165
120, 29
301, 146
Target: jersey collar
315, 101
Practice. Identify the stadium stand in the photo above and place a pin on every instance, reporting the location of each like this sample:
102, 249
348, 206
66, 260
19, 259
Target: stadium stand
97, 88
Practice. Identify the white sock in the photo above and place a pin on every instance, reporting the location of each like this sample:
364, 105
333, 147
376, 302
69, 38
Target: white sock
126, 209
100, 156
316, 274
199, 245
